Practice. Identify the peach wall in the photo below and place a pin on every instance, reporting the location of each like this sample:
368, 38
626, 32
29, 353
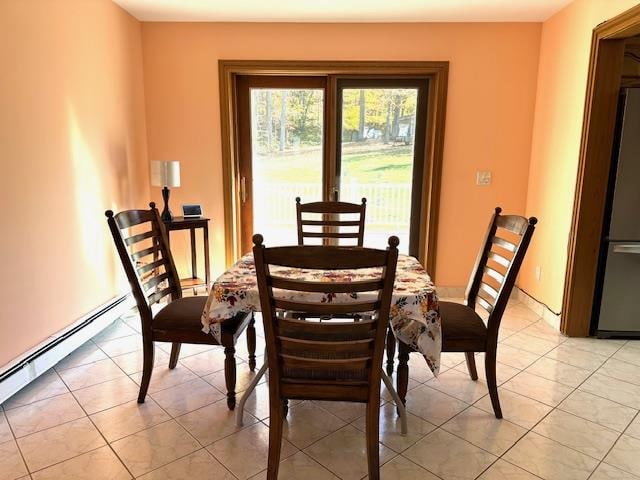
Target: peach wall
72, 137
492, 83
562, 80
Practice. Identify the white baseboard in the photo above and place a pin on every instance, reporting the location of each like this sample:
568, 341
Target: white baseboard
21, 371
549, 316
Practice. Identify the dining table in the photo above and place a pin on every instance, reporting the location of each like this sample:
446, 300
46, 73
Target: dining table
414, 314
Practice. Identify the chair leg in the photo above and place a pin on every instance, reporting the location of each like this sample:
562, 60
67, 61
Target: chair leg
175, 355
373, 434
285, 407
490, 369
275, 437
148, 349
402, 379
391, 350
251, 343
471, 364
230, 375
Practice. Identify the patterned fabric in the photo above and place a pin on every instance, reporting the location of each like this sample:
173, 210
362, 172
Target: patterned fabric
414, 307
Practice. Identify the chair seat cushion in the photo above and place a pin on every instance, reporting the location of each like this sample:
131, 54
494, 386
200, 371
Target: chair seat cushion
185, 314
462, 328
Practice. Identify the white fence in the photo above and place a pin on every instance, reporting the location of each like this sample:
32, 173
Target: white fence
388, 204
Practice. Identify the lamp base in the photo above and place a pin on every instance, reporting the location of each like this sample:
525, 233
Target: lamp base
166, 212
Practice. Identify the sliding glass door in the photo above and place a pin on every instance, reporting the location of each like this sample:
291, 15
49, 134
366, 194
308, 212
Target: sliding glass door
377, 152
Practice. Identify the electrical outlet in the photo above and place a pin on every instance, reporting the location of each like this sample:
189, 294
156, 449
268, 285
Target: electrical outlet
538, 272
483, 177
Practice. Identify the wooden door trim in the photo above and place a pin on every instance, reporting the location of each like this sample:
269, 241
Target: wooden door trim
603, 83
436, 72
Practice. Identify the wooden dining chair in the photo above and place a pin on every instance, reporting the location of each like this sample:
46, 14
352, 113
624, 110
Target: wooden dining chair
142, 245
340, 361
492, 280
330, 225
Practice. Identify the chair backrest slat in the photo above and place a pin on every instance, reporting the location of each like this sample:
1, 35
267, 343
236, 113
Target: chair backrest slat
497, 266
332, 221
329, 355
150, 268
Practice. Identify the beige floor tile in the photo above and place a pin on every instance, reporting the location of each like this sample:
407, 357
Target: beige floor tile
558, 372
538, 388
502, 470
213, 422
451, 359
299, 466
624, 455
43, 414
162, 377
258, 403
154, 447
550, 460
5, 430
419, 371
633, 344
243, 378
189, 349
520, 310
390, 428
128, 418
615, 390
245, 452
131, 362
530, 343
459, 385
346, 411
432, 405
634, 428
596, 345
599, 410
516, 408
503, 372
186, 397
401, 468
106, 395
484, 430
117, 329
627, 372
577, 433
91, 374
576, 357
307, 423
60, 443
99, 464
441, 452
85, 354
543, 330
11, 464
45, 386
120, 346
514, 357
206, 362
199, 465
607, 472
344, 453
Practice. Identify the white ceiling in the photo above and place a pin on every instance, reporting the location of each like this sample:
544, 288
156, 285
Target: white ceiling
342, 10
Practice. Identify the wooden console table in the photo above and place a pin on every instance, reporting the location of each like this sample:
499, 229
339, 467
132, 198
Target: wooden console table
192, 224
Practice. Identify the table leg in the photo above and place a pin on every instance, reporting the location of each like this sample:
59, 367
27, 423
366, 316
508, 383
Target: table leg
194, 259
205, 235
402, 380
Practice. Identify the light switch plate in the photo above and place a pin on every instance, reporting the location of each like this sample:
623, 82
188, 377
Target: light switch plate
483, 177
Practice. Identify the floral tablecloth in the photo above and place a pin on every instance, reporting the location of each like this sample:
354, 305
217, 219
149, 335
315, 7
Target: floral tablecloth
414, 308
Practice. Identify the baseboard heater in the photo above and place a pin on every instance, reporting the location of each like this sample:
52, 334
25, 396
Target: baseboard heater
29, 366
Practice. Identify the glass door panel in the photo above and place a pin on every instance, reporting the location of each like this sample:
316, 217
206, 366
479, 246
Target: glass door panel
377, 158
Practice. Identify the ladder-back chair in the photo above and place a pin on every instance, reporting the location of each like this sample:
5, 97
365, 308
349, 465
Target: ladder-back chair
332, 221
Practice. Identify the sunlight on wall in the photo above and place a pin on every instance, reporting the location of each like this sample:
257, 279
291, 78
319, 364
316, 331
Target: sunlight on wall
88, 195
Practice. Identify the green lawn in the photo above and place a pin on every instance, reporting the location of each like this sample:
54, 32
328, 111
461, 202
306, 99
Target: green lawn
365, 163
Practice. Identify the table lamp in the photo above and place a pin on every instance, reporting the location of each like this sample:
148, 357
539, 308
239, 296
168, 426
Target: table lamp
165, 174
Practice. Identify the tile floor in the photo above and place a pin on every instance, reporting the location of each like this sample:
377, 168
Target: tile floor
570, 405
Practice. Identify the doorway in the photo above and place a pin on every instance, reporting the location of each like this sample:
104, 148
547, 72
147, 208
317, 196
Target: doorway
606, 76
333, 131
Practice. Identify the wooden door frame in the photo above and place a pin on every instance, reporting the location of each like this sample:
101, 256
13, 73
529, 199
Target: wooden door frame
436, 72
603, 85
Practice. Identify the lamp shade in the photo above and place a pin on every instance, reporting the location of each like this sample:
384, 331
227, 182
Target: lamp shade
165, 173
